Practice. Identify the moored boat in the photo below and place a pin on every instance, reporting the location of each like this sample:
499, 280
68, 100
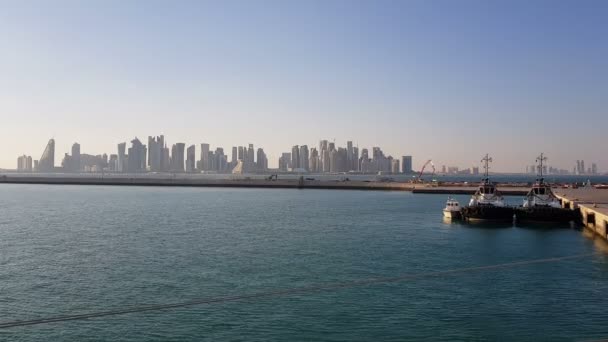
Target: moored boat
541, 204
452, 209
487, 203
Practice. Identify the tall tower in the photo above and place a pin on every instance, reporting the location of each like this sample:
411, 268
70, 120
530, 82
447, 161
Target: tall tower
47, 161
205, 164
75, 160
121, 161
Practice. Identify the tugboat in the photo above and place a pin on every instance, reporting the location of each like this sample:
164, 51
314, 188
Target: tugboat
487, 203
452, 209
541, 204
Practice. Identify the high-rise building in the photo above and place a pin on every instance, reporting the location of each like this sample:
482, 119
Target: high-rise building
406, 164
333, 160
323, 156
136, 160
313, 162
394, 165
112, 162
177, 157
250, 155
220, 161
241, 153
285, 162
349, 155
295, 157
364, 161
205, 161
342, 160
75, 162
191, 159
24, 163
234, 155
262, 161
303, 163
356, 159
593, 168
155, 153
121, 165
47, 161
326, 161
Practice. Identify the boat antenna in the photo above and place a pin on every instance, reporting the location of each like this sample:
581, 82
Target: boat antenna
487, 159
540, 159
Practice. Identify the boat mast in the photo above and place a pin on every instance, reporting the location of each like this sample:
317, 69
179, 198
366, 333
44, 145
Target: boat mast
487, 159
540, 159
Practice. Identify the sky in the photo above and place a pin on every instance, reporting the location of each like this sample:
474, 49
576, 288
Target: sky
442, 80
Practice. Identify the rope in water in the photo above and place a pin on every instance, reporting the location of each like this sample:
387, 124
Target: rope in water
308, 289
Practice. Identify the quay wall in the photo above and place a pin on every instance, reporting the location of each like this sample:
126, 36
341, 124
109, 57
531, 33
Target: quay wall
592, 205
193, 182
127, 180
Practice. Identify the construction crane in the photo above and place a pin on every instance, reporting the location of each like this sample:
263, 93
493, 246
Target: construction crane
419, 180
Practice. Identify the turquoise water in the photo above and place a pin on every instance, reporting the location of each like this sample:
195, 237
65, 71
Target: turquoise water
80, 249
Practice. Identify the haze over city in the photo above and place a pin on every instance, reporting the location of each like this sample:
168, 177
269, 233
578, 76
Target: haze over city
447, 83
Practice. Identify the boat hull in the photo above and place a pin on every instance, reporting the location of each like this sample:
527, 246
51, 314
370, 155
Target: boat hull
451, 214
544, 214
487, 212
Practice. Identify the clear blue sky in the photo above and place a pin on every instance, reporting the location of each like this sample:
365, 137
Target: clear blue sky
447, 80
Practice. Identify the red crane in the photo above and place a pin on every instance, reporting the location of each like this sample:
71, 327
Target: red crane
424, 167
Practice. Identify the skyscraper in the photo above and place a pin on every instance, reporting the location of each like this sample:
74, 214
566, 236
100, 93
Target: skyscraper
250, 160
24, 163
406, 164
177, 157
136, 160
155, 153
262, 161
395, 166
313, 162
234, 155
47, 161
350, 155
333, 160
295, 157
205, 163
241, 153
304, 157
121, 161
285, 162
75, 160
191, 159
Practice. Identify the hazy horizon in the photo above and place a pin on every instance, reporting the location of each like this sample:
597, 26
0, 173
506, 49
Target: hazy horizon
448, 81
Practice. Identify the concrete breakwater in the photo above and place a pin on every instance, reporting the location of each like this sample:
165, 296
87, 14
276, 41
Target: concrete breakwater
201, 182
245, 182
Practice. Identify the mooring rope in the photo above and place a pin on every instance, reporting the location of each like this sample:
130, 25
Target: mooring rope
259, 295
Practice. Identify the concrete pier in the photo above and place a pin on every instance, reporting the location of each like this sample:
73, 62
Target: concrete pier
189, 180
592, 204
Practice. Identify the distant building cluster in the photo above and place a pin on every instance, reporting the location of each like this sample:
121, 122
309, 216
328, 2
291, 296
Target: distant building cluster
455, 170
157, 156
579, 169
329, 158
153, 157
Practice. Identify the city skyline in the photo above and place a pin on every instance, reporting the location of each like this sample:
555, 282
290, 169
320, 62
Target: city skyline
447, 82
160, 156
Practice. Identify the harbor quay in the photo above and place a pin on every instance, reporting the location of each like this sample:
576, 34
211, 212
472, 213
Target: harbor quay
255, 181
592, 204
185, 181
